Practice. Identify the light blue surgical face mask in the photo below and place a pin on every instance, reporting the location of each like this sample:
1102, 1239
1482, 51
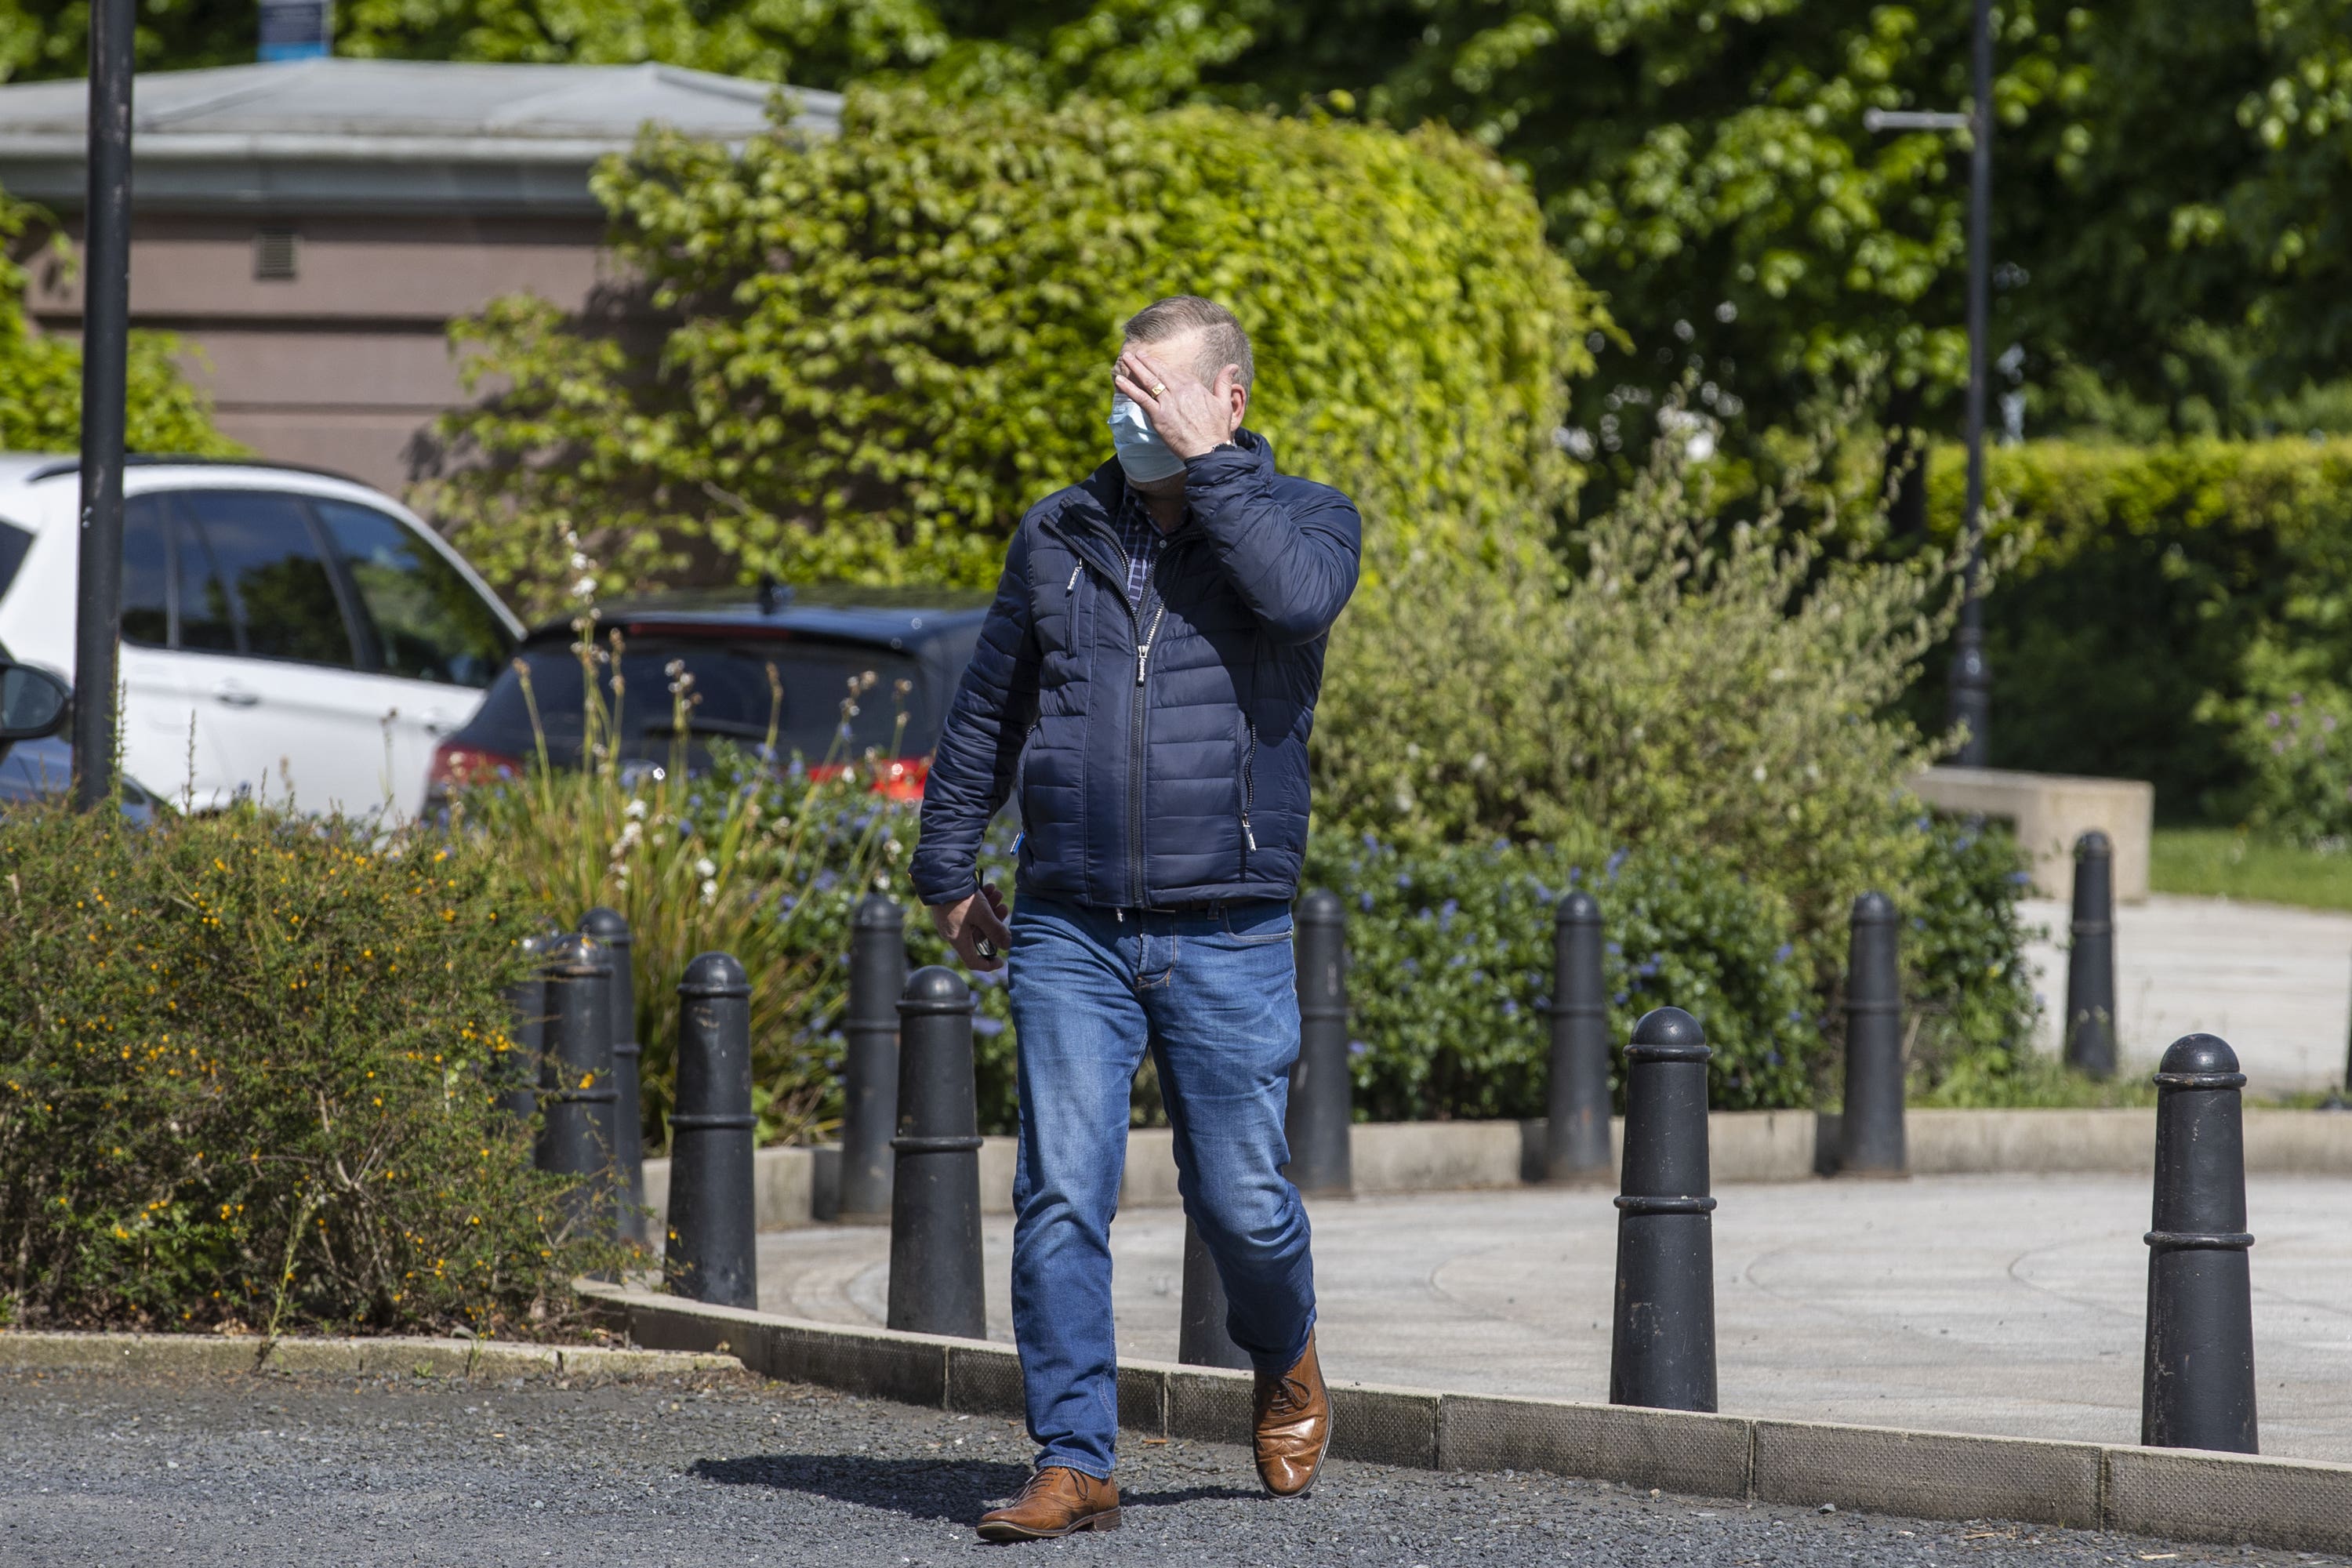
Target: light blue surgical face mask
1142, 452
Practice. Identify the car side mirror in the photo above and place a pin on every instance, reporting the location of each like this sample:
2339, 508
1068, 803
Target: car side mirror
33, 702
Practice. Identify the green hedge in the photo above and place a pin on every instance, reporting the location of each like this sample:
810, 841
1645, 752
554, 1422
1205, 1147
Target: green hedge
2166, 596
242, 1084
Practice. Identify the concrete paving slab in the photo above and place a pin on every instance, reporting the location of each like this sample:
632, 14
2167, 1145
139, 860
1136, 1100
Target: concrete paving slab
1999, 1304
2276, 983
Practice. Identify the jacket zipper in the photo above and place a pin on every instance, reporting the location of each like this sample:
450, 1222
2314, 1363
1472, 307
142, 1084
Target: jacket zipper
1249, 790
1135, 746
1143, 641
1143, 648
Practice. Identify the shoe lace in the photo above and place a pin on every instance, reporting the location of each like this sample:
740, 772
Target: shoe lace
1290, 1396
1035, 1483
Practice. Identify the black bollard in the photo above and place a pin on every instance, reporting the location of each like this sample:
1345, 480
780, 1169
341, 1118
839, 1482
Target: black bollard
2336, 1100
1322, 1090
514, 1072
2198, 1386
575, 1084
1871, 1131
935, 1269
869, 1069
2091, 962
611, 927
712, 1253
1575, 1124
1200, 1336
1662, 1351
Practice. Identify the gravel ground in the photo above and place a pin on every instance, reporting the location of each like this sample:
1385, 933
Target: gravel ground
268, 1469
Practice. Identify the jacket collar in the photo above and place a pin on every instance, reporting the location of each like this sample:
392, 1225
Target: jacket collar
1107, 486
1095, 532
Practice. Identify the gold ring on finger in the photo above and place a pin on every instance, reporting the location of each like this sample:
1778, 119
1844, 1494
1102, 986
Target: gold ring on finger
1158, 389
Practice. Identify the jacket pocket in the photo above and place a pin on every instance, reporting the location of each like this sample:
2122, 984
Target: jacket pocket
1059, 600
1021, 771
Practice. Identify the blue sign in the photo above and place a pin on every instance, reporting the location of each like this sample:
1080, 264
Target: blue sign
294, 29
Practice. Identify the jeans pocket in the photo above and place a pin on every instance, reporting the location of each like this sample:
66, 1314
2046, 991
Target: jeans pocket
1261, 927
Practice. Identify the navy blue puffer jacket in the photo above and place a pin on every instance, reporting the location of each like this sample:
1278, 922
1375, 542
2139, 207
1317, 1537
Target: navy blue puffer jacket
1159, 755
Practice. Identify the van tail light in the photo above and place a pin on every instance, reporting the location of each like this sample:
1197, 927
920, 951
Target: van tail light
455, 765
900, 778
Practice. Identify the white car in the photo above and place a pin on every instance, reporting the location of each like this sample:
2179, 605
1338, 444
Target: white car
284, 632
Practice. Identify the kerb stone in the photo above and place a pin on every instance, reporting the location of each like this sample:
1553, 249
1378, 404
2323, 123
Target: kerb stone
2187, 1494
1675, 1450
1934, 1475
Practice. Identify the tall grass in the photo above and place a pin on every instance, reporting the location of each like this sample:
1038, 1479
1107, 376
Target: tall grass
744, 852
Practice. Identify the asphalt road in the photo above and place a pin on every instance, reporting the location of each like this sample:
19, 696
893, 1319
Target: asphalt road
318, 1471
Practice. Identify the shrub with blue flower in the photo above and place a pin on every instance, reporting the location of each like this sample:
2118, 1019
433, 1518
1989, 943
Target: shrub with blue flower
1450, 978
1449, 997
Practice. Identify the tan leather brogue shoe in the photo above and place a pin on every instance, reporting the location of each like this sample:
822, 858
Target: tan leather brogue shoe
1054, 1501
1293, 1430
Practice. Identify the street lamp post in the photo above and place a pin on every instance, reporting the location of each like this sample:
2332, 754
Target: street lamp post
1969, 696
105, 329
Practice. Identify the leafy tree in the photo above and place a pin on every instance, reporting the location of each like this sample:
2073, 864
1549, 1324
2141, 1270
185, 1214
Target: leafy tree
887, 345
1143, 52
2284, 219
43, 39
40, 377
2171, 180
2170, 173
2169, 176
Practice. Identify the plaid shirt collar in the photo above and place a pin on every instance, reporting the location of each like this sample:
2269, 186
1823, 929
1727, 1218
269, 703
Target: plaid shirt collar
1140, 540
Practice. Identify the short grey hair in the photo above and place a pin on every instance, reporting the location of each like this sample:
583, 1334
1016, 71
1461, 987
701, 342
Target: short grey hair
1223, 341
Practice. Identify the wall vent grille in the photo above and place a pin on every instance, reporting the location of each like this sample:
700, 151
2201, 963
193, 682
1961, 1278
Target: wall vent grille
275, 257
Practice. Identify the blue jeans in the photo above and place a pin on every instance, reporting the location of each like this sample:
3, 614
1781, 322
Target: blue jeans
1213, 994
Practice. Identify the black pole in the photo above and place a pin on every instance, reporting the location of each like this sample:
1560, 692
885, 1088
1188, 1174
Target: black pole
1871, 1131
2343, 1087
2198, 1391
1575, 1124
1322, 1090
575, 1084
1663, 1353
2340, 1097
516, 1071
869, 1069
935, 1264
105, 339
1202, 1339
610, 927
2091, 960
713, 1249
1970, 695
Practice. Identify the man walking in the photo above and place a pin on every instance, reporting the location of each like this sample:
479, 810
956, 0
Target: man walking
1144, 688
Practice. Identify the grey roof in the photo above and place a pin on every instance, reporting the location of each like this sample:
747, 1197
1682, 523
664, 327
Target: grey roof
379, 134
